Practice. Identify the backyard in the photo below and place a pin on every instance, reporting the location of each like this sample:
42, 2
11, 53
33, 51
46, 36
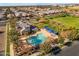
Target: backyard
49, 27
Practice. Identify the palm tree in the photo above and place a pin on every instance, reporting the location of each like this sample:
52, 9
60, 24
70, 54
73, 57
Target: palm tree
61, 40
73, 34
13, 35
45, 47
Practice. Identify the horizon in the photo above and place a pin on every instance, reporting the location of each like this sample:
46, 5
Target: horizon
32, 4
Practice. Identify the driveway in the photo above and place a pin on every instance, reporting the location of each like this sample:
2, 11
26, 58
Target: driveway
70, 51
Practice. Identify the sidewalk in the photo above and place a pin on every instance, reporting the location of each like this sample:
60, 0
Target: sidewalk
11, 49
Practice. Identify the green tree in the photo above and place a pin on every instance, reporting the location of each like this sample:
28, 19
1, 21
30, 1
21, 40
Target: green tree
38, 19
8, 11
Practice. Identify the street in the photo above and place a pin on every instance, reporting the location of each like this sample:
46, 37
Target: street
73, 50
2, 41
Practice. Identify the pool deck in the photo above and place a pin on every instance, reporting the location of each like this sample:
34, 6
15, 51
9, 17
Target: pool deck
45, 32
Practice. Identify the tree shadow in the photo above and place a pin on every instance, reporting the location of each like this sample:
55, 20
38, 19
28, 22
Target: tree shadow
55, 50
68, 44
1, 32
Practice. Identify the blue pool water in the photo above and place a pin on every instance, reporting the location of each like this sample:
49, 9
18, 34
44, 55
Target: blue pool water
36, 40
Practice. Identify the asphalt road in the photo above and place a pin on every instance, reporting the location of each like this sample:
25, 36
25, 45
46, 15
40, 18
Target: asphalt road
2, 41
70, 51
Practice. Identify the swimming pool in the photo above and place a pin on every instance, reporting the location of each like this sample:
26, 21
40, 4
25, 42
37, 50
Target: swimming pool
36, 40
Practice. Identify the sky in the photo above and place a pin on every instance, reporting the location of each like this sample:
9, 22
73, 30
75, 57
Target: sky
33, 2
23, 4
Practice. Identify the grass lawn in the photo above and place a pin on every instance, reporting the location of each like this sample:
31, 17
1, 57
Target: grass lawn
7, 41
74, 8
69, 21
